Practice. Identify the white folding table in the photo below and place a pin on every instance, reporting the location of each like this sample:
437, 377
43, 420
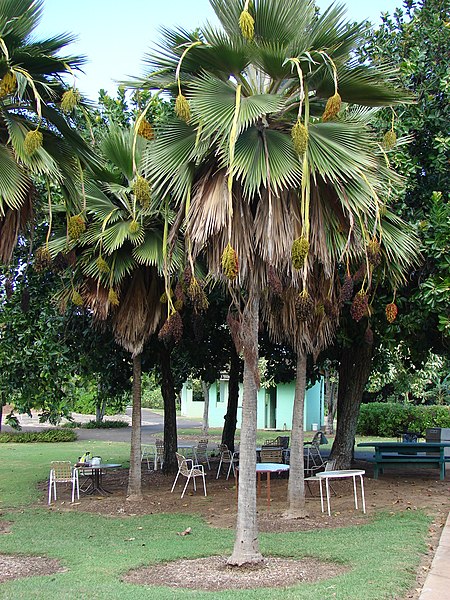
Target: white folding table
353, 473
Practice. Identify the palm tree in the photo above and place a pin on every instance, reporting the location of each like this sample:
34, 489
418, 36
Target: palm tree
120, 246
274, 164
35, 138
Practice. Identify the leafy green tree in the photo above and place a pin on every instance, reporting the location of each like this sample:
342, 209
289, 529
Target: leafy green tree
266, 169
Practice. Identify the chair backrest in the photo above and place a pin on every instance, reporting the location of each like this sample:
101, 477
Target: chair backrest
225, 454
283, 441
159, 447
62, 469
329, 465
271, 455
202, 446
317, 439
273, 442
182, 464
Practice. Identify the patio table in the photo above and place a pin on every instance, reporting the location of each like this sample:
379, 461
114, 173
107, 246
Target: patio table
96, 475
353, 473
266, 468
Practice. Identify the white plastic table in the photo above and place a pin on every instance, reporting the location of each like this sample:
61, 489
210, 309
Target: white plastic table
353, 473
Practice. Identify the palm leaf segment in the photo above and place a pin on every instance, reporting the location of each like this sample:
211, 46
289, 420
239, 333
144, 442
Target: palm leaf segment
244, 98
31, 87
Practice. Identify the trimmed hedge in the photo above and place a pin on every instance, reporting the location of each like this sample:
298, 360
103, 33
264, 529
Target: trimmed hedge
47, 435
95, 424
387, 419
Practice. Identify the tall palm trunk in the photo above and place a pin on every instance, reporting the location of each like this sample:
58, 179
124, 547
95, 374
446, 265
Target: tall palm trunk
246, 547
354, 371
134, 479
229, 427
296, 486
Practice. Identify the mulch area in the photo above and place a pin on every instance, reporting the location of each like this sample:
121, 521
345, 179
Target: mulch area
392, 492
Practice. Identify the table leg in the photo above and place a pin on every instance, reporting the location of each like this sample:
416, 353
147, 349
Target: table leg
362, 494
259, 483
327, 485
268, 490
354, 491
321, 494
236, 478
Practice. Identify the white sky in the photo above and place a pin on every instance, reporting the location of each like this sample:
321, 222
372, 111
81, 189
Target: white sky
115, 35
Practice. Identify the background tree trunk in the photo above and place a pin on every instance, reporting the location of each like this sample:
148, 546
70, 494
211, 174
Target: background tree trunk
229, 428
170, 411
330, 400
205, 424
246, 546
354, 371
296, 485
100, 405
134, 491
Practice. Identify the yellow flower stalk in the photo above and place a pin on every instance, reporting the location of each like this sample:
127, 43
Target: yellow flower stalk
69, 100
8, 84
247, 23
300, 137
33, 141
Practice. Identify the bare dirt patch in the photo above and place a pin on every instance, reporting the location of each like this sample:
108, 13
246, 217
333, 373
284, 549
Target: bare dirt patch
212, 573
5, 527
15, 567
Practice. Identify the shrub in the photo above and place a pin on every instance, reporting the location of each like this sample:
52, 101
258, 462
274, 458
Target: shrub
387, 419
47, 435
104, 424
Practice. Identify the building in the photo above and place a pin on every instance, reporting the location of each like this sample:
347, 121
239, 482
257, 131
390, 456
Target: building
274, 408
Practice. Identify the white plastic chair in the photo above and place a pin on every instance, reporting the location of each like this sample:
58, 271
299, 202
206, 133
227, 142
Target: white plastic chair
329, 466
62, 472
149, 453
187, 468
227, 458
159, 458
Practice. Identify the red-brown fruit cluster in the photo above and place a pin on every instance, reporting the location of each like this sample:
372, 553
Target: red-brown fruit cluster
391, 312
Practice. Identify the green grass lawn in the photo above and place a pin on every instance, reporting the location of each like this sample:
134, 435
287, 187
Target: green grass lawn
382, 554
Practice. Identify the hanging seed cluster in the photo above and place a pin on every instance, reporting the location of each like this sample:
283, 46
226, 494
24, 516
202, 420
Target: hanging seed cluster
304, 306
300, 137
332, 107
8, 84
134, 227
113, 298
71, 258
274, 282
198, 327
141, 190
59, 263
230, 263
299, 251
77, 298
368, 336
360, 273
172, 330
197, 296
69, 100
102, 265
247, 25
330, 309
182, 108
145, 130
42, 259
389, 139
25, 300
346, 291
32, 142
391, 312
187, 275
163, 297
179, 292
374, 252
360, 305
76, 226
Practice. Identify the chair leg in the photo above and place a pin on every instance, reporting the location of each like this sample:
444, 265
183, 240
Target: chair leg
50, 484
195, 485
204, 483
218, 470
229, 469
175, 482
187, 481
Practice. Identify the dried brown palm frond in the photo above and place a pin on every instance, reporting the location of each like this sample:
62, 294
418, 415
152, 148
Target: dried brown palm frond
12, 223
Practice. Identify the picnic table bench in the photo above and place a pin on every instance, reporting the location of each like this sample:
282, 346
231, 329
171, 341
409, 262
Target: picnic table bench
408, 453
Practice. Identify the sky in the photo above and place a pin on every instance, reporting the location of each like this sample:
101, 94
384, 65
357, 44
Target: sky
116, 34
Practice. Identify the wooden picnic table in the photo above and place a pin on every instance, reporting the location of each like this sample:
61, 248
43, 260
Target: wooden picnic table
416, 453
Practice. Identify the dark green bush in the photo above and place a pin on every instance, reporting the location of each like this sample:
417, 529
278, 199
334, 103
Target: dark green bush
104, 424
47, 435
387, 419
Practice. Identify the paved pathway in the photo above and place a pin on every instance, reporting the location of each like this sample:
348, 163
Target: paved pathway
437, 583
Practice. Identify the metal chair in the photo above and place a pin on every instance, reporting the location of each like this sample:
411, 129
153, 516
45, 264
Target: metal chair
187, 468
149, 454
201, 453
227, 458
271, 454
314, 459
62, 472
329, 466
159, 458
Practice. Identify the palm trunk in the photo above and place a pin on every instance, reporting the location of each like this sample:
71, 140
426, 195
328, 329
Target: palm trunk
134, 491
354, 371
205, 424
170, 411
229, 428
246, 546
296, 486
